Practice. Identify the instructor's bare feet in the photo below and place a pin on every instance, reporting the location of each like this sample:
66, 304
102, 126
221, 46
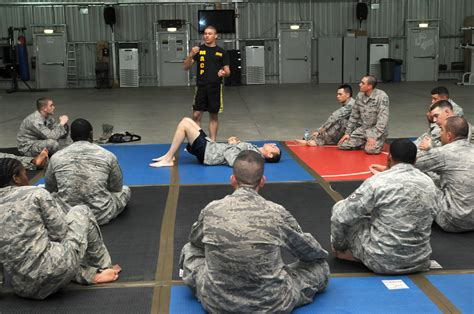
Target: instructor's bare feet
41, 160
163, 163
107, 275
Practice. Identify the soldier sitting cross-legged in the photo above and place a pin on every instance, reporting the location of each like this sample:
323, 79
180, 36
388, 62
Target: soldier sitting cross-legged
41, 246
233, 260
386, 222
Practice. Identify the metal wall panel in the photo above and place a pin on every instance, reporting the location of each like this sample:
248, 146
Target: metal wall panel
257, 24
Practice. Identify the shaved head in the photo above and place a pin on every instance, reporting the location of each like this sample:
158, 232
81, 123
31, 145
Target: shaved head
248, 168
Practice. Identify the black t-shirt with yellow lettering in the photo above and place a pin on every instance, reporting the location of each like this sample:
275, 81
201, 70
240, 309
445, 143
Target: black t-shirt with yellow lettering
209, 61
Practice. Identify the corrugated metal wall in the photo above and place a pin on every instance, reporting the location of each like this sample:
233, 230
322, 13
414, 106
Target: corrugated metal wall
258, 23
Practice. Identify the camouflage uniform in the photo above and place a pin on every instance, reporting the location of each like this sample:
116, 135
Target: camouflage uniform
454, 163
434, 132
333, 129
386, 222
85, 173
42, 248
233, 261
25, 161
369, 119
224, 153
37, 132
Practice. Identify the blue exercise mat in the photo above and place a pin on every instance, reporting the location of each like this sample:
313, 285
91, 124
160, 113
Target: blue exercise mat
369, 295
458, 288
183, 301
343, 295
192, 172
134, 161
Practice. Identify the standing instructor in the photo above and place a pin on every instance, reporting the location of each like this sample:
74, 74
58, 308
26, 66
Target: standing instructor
212, 66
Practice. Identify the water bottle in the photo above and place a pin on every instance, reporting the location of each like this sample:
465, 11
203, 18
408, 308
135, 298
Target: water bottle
307, 135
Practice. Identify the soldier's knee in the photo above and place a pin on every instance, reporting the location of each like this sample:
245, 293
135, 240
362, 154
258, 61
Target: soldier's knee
186, 121
80, 213
127, 192
52, 145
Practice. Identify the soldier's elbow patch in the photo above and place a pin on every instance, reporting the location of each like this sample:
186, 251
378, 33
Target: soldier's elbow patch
354, 197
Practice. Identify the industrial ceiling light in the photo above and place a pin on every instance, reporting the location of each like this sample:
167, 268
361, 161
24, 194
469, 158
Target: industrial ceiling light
423, 25
170, 24
294, 27
48, 31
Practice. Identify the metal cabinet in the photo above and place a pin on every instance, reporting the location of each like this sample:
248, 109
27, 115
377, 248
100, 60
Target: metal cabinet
354, 59
330, 60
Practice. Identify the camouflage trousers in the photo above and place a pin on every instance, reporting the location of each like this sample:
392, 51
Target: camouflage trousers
358, 139
308, 277
52, 145
119, 201
26, 161
79, 256
359, 240
445, 219
331, 135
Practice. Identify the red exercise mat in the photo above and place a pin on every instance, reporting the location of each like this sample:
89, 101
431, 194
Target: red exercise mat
337, 165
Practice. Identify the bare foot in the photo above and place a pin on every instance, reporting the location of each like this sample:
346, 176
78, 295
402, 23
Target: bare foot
302, 142
41, 160
107, 275
345, 255
162, 163
161, 158
117, 268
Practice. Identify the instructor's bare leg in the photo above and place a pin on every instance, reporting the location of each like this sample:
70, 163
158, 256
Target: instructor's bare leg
187, 128
213, 125
197, 115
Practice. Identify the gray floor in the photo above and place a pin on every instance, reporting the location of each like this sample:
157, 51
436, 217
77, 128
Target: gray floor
259, 112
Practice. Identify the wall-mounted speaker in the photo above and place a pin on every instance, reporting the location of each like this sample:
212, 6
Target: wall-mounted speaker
109, 15
362, 10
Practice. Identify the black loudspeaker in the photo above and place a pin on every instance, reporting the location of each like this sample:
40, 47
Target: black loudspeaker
235, 66
362, 11
109, 15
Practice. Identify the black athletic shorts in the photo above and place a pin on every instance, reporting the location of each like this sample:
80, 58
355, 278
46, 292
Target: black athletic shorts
198, 148
209, 98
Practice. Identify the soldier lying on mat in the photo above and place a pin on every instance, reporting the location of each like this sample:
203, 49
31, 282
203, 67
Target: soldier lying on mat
333, 129
233, 260
386, 222
209, 152
85, 173
30, 163
41, 246
453, 163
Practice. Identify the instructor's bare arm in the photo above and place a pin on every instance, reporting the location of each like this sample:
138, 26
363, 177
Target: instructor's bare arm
188, 62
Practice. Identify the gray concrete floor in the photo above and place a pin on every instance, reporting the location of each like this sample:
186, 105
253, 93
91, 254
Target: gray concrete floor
258, 112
